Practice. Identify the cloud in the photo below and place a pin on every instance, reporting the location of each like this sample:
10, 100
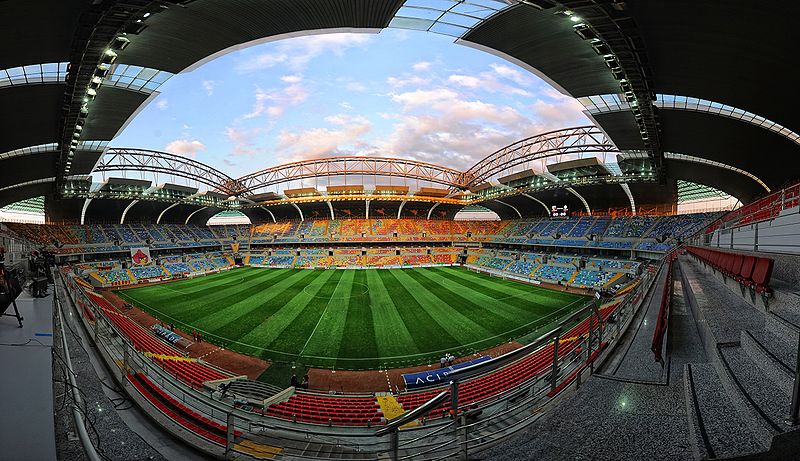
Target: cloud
465, 80
208, 86
185, 147
443, 126
162, 104
345, 137
297, 53
346, 105
356, 86
512, 74
421, 66
407, 80
274, 102
243, 140
487, 81
291, 79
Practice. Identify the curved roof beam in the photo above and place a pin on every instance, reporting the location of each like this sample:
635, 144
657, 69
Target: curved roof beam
704, 161
138, 160
605, 103
569, 141
350, 166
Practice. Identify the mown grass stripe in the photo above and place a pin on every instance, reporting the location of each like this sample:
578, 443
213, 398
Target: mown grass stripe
325, 338
392, 335
359, 327
187, 305
229, 315
298, 318
483, 317
428, 334
512, 308
460, 326
239, 325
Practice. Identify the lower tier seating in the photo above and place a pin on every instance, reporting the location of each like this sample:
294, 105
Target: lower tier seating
179, 413
319, 409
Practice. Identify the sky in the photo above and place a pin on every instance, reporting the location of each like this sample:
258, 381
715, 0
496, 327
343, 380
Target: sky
399, 93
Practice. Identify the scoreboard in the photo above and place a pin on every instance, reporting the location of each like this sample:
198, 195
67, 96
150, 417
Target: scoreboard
559, 211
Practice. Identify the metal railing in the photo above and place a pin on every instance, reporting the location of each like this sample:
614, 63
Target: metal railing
458, 433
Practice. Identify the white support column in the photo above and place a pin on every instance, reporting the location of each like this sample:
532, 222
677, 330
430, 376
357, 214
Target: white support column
125, 212
539, 202
192, 214
85, 207
329, 207
580, 197
299, 211
431, 210
270, 213
510, 206
161, 215
400, 210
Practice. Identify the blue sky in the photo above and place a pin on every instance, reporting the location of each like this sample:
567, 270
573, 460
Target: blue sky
399, 93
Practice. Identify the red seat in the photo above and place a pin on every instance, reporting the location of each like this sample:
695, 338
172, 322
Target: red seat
762, 272
746, 271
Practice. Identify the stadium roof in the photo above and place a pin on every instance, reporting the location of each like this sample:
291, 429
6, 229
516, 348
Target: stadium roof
706, 80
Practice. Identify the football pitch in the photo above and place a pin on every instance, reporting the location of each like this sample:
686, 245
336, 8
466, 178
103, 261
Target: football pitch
355, 319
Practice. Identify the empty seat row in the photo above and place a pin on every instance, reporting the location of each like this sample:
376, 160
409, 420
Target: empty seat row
751, 271
179, 413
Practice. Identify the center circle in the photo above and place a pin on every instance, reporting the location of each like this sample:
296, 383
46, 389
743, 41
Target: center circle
357, 289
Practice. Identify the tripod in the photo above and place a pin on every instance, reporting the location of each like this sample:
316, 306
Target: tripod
9, 290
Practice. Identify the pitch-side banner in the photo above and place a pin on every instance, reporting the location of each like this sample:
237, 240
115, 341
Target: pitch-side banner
141, 256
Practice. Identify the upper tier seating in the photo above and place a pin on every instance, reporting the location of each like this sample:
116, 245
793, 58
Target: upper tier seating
554, 273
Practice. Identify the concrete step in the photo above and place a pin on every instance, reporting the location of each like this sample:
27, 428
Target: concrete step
784, 323
776, 358
716, 430
758, 398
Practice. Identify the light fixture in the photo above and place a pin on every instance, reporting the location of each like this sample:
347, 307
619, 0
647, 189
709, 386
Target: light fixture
121, 42
574, 18
91, 92
76, 135
96, 80
109, 57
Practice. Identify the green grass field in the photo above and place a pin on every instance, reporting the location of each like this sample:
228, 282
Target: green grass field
355, 319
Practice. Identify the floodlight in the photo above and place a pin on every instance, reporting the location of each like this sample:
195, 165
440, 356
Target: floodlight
122, 42
109, 57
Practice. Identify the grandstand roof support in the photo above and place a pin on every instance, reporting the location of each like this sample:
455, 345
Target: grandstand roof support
400, 210
270, 213
301, 211
431, 210
510, 206
367, 208
161, 215
330, 207
578, 141
580, 197
351, 166
143, 160
125, 211
83, 211
630, 197
539, 202
193, 213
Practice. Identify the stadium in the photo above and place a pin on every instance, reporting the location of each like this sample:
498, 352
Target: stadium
474, 284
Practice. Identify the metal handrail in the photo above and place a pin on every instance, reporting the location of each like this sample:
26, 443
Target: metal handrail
416, 413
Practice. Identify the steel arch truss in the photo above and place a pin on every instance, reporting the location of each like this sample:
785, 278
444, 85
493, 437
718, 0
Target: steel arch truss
576, 141
169, 164
355, 166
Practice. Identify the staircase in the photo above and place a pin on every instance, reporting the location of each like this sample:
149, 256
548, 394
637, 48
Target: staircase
738, 404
